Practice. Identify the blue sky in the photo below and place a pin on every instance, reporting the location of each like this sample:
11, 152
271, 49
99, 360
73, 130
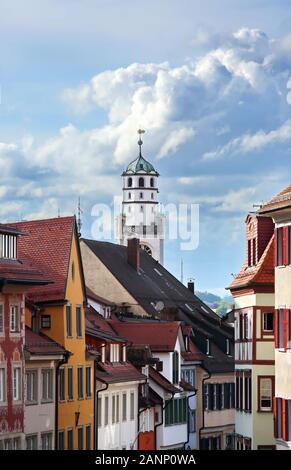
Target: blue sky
208, 80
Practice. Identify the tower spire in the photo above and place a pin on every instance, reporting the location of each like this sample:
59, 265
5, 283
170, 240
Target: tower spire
140, 142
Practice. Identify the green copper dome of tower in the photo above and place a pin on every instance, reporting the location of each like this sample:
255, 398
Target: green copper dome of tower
140, 164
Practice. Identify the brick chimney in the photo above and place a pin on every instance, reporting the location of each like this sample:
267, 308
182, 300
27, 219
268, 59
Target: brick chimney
133, 253
191, 286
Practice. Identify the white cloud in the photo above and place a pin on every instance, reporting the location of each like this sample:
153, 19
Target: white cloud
251, 143
175, 139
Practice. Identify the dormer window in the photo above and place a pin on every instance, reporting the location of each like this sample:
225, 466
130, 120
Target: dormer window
252, 252
8, 246
208, 349
227, 347
187, 343
114, 353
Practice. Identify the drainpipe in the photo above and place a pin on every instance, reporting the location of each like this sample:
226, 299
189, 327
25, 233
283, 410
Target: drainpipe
162, 422
96, 413
94, 405
63, 361
188, 425
203, 402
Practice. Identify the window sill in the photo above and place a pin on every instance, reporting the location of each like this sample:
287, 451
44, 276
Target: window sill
49, 400
264, 411
89, 397
31, 403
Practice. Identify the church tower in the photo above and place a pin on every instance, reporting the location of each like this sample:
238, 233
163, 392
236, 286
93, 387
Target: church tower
141, 217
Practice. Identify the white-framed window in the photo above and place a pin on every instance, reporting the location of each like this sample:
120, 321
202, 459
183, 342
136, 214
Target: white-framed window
114, 352
16, 383
47, 384
206, 396
103, 353
124, 406
268, 321
46, 441
124, 353
31, 442
106, 410
215, 396
227, 346
31, 386
207, 347
132, 406
265, 393
1, 319
3, 386
8, 246
14, 318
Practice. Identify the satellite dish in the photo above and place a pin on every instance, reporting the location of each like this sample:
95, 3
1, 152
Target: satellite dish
159, 306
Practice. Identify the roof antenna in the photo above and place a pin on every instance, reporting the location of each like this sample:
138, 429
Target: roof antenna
79, 220
140, 142
182, 271
59, 212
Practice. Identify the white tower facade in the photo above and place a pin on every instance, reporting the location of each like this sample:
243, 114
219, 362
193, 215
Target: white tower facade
141, 216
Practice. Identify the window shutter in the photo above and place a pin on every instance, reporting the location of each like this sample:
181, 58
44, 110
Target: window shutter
219, 395
276, 313
210, 391
285, 245
227, 395
284, 419
285, 327
275, 417
276, 247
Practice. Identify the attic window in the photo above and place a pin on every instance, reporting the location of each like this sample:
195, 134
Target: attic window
208, 347
189, 308
157, 271
8, 246
73, 271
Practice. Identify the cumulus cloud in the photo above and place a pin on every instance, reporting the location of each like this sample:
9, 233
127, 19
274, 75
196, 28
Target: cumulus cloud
251, 143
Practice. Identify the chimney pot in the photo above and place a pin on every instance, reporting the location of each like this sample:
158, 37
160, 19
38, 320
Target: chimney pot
191, 286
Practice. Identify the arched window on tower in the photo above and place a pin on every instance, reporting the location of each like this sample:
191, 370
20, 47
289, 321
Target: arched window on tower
152, 182
141, 182
129, 182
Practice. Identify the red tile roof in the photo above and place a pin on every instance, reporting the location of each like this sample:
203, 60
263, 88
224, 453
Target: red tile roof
23, 272
262, 273
160, 336
118, 372
41, 344
48, 247
162, 381
280, 201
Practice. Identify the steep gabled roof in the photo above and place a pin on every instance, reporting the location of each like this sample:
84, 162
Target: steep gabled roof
154, 283
159, 336
260, 274
48, 247
280, 201
118, 372
160, 380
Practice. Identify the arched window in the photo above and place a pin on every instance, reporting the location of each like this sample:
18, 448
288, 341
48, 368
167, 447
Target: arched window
141, 182
152, 182
175, 367
129, 182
